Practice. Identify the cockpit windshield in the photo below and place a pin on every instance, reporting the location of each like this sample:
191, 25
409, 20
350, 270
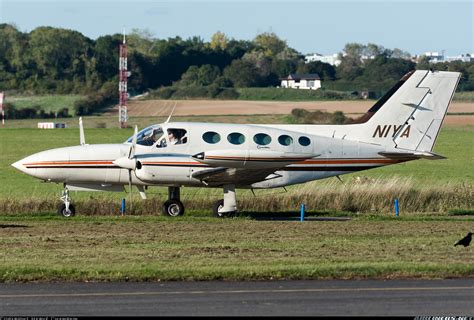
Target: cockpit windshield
148, 136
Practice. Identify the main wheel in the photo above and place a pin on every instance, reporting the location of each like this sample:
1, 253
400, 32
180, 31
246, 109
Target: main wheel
218, 205
173, 208
66, 213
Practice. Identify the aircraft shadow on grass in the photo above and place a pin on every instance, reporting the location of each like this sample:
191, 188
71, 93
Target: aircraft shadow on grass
5, 226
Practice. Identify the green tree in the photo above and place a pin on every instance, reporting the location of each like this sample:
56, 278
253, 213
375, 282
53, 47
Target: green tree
59, 54
284, 67
219, 41
242, 73
324, 70
199, 76
270, 44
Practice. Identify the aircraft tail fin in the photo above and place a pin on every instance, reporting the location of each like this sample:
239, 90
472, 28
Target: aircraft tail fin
410, 115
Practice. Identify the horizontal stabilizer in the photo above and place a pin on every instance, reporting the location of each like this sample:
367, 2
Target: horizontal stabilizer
412, 155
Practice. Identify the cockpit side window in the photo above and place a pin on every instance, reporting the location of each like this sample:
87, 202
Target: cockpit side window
148, 136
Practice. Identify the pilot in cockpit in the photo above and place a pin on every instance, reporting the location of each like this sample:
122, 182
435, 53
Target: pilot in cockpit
157, 133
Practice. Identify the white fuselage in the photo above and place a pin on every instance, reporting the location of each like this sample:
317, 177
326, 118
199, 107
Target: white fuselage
227, 145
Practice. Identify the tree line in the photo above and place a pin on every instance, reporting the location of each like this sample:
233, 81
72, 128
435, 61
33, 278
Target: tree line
61, 61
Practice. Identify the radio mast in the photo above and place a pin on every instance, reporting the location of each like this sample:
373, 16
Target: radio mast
123, 76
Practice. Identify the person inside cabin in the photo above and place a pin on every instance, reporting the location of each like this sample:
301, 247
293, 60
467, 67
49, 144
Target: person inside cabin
172, 137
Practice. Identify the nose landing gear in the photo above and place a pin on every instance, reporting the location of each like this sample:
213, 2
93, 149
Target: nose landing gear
66, 209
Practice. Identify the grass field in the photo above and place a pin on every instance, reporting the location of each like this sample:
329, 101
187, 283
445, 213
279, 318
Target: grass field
192, 248
47, 102
284, 94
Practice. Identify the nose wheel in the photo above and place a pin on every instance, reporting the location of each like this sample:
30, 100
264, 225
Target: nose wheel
66, 209
67, 212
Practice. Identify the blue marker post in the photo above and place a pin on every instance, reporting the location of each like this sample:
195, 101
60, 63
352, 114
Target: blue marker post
302, 212
122, 211
396, 207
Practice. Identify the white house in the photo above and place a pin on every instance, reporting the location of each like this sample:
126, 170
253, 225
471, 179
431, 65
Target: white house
301, 81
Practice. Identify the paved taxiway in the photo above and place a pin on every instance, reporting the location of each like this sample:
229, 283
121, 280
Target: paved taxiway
339, 297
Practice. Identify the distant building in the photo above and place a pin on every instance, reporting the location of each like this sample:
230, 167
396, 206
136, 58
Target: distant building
310, 81
463, 57
51, 125
436, 57
331, 59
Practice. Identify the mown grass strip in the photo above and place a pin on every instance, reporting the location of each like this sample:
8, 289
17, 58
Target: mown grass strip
196, 248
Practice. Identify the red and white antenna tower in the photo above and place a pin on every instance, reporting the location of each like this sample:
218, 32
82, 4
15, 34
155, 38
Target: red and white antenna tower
123, 76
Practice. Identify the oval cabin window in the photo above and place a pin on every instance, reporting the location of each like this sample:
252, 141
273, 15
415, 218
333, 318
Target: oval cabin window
236, 138
285, 140
262, 139
211, 137
304, 141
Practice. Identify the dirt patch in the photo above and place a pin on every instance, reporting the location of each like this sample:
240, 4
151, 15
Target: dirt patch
162, 108
458, 120
236, 107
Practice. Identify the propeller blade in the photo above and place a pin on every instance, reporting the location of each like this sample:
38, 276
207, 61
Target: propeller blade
82, 139
131, 154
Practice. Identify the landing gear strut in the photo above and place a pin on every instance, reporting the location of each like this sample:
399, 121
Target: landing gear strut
66, 209
173, 206
228, 206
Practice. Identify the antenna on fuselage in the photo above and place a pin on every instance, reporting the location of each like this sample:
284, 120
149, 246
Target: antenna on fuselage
82, 138
174, 107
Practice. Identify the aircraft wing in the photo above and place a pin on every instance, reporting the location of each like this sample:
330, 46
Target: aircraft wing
238, 176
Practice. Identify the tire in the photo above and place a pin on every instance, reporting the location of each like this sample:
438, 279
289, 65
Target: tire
215, 209
173, 208
67, 214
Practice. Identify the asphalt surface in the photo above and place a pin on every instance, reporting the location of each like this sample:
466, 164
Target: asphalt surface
260, 298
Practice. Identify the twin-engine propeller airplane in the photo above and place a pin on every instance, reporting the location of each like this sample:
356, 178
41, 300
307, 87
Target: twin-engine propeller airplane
402, 126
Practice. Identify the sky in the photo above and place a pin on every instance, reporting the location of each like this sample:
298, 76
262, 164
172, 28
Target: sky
321, 26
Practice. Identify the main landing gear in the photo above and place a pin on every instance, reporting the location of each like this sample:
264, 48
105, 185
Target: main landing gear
173, 207
226, 207
66, 209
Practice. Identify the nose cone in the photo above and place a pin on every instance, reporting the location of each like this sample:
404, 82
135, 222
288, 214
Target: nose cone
19, 165
26, 165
